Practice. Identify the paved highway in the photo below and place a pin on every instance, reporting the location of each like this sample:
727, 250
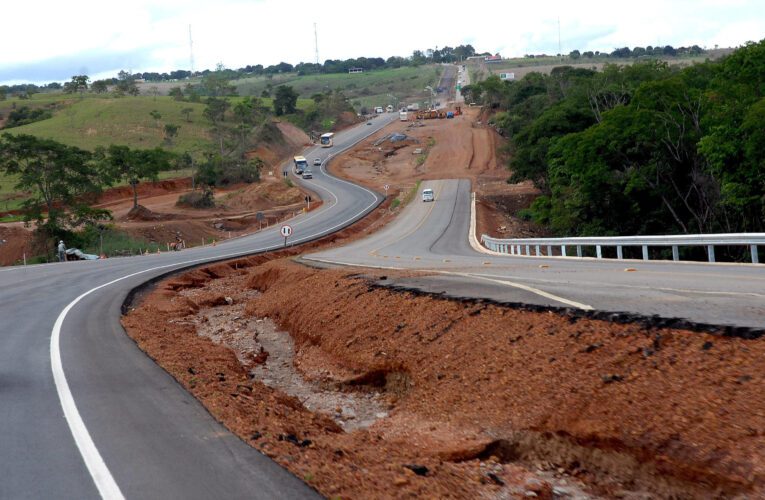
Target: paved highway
434, 237
84, 413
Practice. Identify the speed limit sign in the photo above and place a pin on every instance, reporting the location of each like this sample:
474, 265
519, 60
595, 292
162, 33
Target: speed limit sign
286, 230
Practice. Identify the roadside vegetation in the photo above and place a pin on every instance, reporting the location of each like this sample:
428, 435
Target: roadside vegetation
641, 149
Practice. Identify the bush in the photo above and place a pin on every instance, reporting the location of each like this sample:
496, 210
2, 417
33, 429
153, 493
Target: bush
197, 199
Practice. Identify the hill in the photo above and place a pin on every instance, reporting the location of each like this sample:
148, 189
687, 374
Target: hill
368, 89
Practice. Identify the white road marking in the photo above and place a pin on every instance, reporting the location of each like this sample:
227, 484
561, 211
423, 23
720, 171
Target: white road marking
527, 288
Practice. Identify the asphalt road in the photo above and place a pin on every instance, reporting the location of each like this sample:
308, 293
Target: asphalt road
84, 413
434, 237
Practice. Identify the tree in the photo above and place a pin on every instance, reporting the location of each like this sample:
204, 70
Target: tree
171, 131
79, 83
187, 113
574, 54
285, 100
99, 86
215, 111
156, 115
176, 93
59, 179
134, 165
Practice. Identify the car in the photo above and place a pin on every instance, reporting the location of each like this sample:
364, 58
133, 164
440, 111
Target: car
427, 195
317, 162
369, 123
307, 174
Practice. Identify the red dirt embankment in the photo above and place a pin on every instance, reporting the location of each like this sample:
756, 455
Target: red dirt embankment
491, 400
460, 148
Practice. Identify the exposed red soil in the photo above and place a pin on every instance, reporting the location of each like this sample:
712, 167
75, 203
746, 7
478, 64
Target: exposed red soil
464, 148
15, 240
667, 412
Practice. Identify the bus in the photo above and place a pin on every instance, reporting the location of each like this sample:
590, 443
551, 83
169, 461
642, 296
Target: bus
326, 140
300, 164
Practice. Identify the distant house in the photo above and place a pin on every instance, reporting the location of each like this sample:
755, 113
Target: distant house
493, 59
352, 71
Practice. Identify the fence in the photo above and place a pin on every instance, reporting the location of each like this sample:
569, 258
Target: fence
518, 245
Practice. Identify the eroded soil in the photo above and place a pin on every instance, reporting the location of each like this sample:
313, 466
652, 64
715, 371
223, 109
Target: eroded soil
482, 400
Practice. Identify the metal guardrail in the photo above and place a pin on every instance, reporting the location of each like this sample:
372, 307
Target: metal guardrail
518, 245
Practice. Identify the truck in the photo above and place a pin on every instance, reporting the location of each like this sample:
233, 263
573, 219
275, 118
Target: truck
413, 107
403, 116
378, 109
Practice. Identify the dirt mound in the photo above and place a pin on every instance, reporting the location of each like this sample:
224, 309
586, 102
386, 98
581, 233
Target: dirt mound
141, 213
145, 190
271, 192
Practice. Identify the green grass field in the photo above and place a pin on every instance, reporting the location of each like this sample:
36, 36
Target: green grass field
371, 88
93, 121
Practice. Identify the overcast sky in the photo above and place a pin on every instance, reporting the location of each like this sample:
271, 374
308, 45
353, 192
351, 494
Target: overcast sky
45, 40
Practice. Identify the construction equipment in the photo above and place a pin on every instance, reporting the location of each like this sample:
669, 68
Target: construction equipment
431, 114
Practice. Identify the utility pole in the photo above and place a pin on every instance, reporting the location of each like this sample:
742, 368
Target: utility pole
560, 53
316, 42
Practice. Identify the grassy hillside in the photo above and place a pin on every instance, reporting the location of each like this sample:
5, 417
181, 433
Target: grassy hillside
91, 121
521, 66
364, 89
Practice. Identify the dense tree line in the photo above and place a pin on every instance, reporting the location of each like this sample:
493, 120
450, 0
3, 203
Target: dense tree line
640, 149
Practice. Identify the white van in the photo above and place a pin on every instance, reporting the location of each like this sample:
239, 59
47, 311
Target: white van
427, 195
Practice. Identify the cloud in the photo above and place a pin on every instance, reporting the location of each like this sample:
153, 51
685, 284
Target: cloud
62, 68
147, 35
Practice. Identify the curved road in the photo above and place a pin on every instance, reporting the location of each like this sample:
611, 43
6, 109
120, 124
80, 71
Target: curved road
434, 237
84, 413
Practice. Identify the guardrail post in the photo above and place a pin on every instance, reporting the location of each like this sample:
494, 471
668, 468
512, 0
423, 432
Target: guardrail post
619, 254
645, 252
579, 250
675, 253
549, 250
537, 249
598, 251
563, 250
518, 250
528, 252
755, 257
711, 252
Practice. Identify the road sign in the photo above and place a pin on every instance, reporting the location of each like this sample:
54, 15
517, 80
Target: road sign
386, 187
286, 230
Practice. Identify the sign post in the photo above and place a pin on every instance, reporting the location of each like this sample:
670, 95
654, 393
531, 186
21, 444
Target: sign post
286, 231
386, 187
